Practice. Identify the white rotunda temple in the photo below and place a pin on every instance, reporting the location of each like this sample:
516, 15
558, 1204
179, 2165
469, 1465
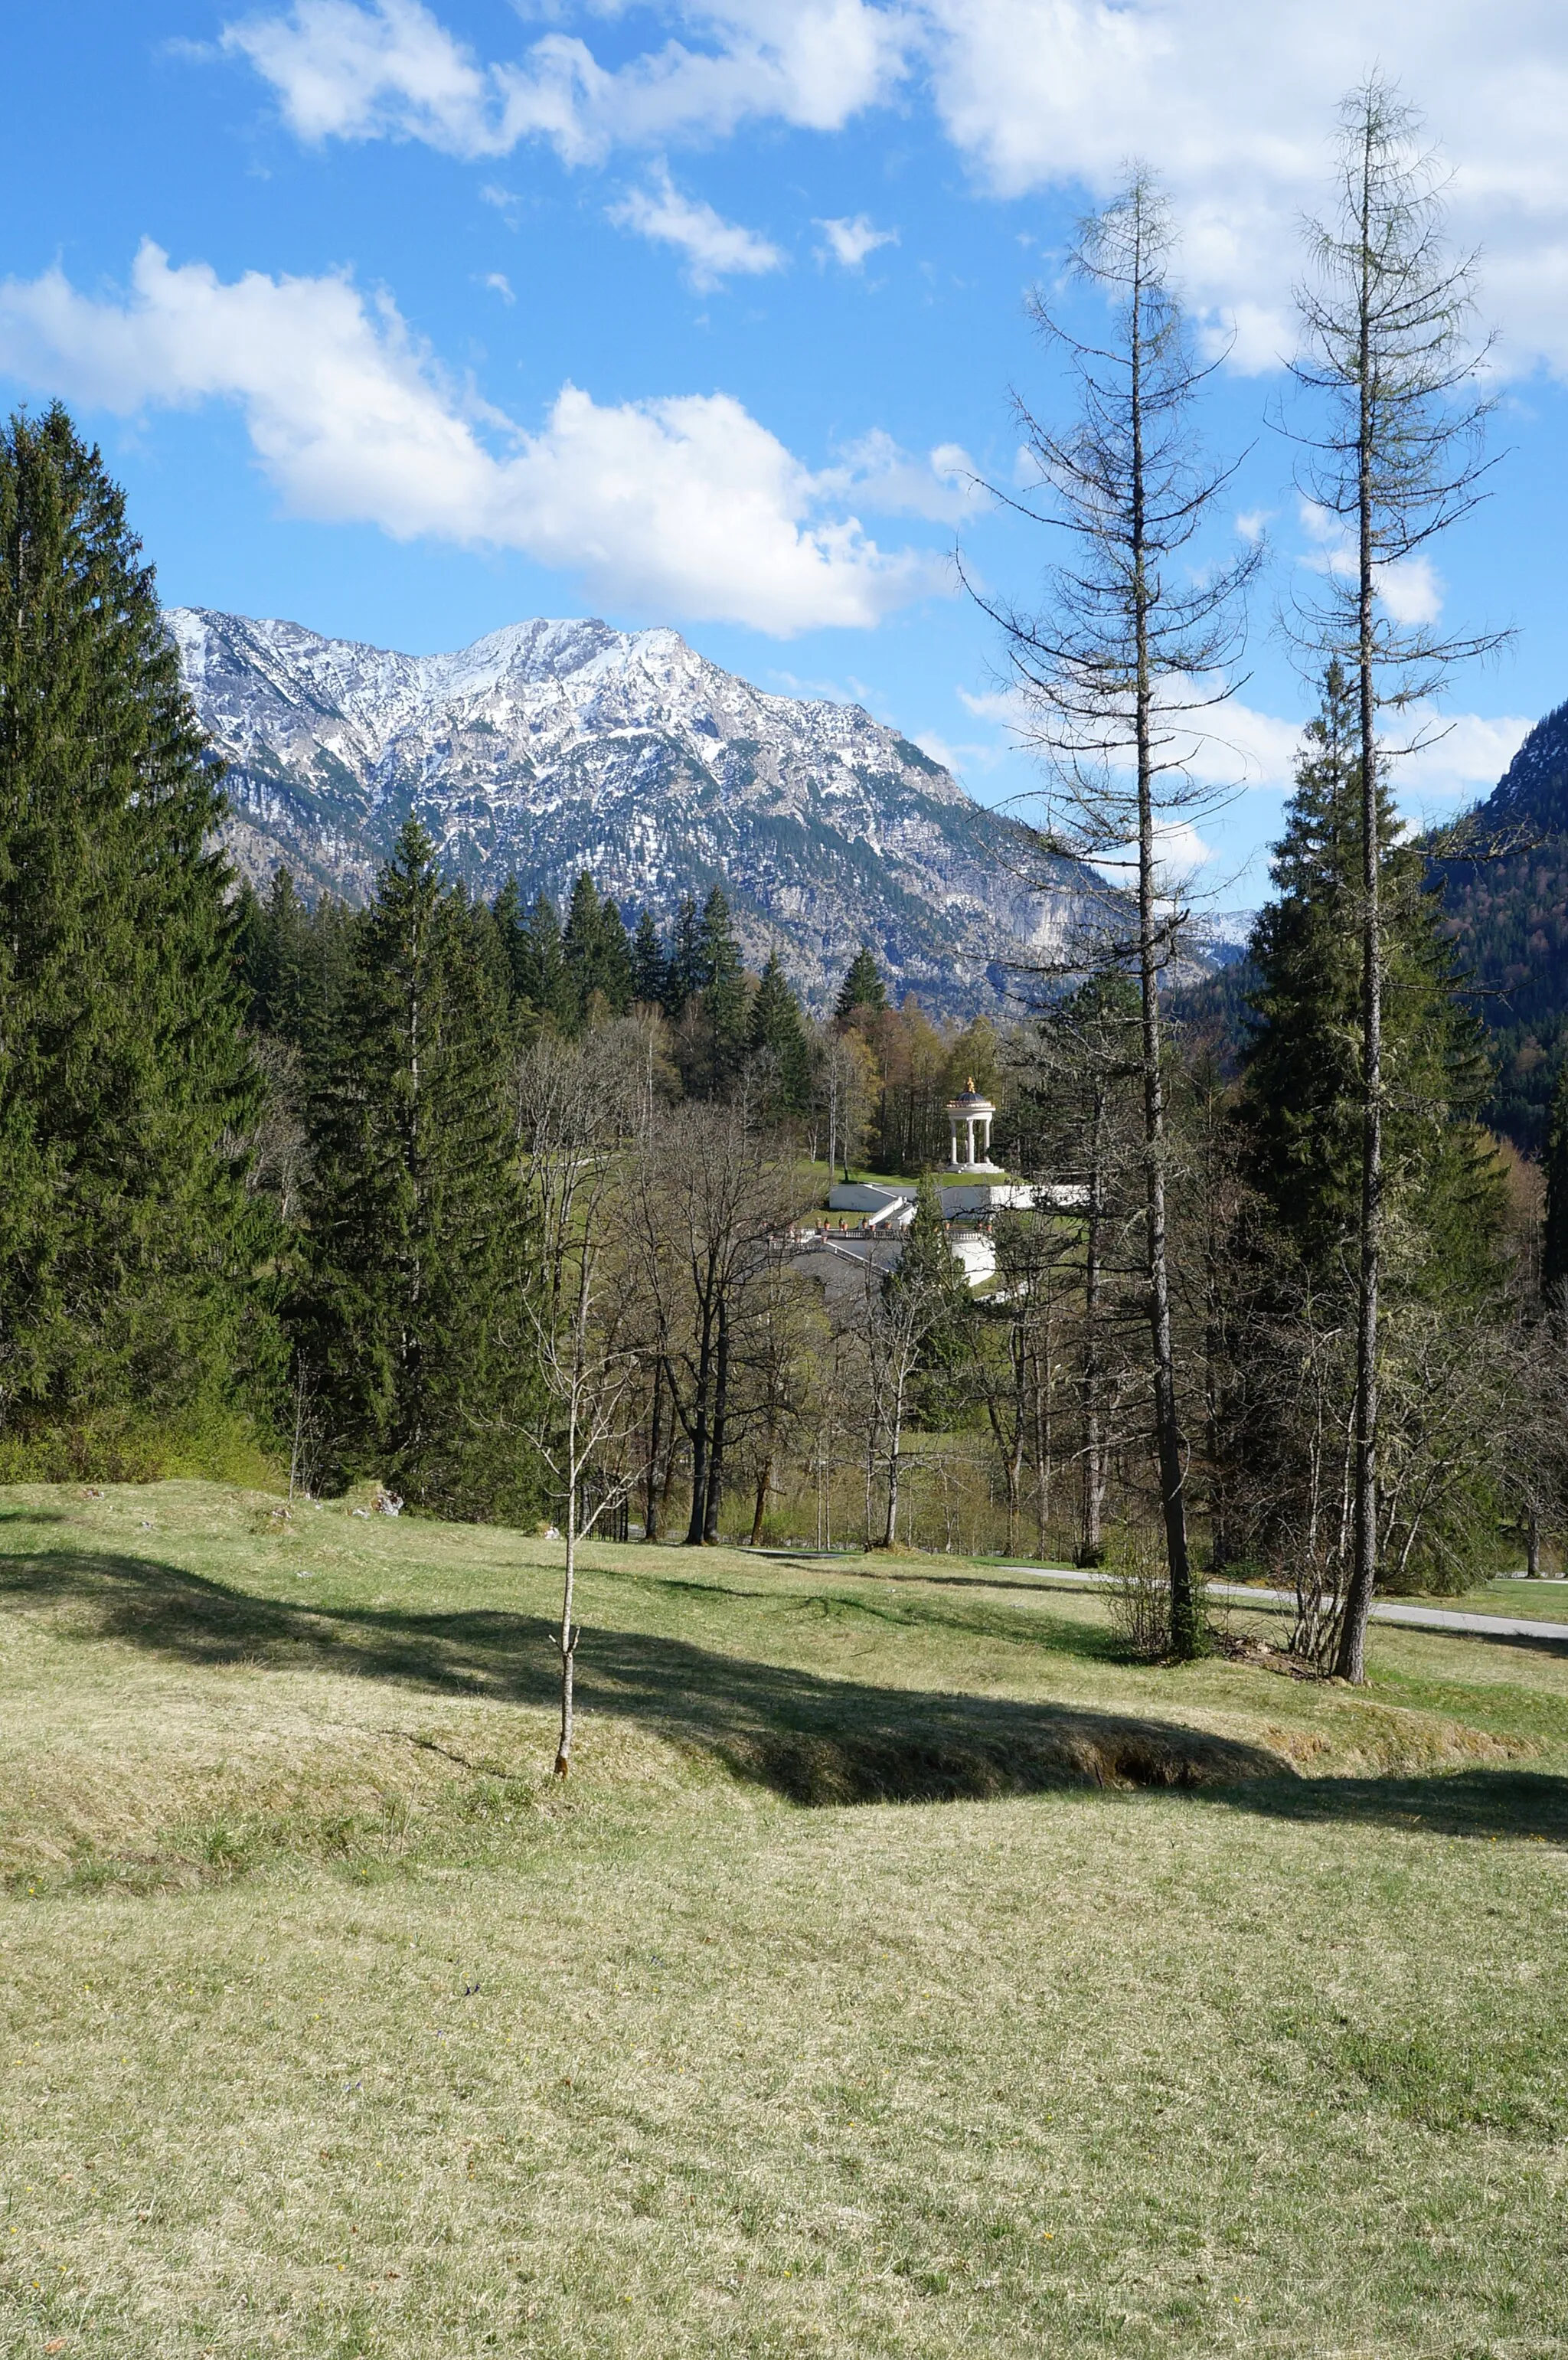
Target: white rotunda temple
969, 1113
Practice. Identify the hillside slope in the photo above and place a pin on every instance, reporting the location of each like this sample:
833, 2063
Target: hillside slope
551, 747
1509, 916
335, 2025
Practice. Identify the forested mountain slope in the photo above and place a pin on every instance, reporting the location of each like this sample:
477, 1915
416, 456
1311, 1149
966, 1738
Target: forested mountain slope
549, 747
1506, 912
1509, 916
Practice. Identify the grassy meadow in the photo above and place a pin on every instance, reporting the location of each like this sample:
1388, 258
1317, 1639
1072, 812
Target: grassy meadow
901, 1972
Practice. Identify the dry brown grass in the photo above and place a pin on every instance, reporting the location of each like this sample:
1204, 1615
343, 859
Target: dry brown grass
335, 2029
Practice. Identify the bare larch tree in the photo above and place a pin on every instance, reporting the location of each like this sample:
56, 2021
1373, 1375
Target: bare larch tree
1390, 364
1119, 673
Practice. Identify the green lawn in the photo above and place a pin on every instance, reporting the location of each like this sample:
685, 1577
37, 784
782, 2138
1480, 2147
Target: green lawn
902, 1972
1536, 1602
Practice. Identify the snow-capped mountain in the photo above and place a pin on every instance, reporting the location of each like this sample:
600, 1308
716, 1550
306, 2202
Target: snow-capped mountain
549, 747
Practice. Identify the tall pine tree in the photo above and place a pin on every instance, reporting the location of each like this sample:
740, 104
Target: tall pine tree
1555, 1234
723, 991
686, 971
126, 1242
406, 1322
774, 1029
596, 953
650, 969
1303, 1094
542, 988
862, 988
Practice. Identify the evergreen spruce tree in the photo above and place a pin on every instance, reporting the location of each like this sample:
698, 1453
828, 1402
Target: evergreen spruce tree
127, 1243
615, 959
723, 991
541, 986
581, 941
650, 970
507, 912
493, 948
775, 1029
686, 971
597, 955
1554, 1238
1304, 1092
413, 1205
862, 988
274, 939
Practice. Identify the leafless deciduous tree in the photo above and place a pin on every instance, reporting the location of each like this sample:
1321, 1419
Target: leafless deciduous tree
893, 1325
578, 1108
784, 1334
714, 1195
1391, 359
1119, 672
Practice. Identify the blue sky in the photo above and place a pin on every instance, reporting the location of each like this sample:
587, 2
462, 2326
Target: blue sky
406, 322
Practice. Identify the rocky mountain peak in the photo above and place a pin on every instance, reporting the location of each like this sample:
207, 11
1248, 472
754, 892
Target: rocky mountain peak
554, 745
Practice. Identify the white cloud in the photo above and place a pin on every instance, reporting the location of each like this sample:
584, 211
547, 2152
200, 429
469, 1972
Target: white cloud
1235, 745
342, 71
499, 284
1410, 590
996, 705
877, 473
1234, 104
1180, 851
388, 68
851, 239
1452, 754
679, 506
715, 249
1228, 745
1462, 755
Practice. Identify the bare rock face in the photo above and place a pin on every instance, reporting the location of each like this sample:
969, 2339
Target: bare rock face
549, 747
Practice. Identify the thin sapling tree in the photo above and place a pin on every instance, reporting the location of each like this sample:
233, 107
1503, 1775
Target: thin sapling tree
576, 1121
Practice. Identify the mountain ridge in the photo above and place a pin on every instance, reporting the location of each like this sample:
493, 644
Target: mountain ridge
554, 745
1509, 917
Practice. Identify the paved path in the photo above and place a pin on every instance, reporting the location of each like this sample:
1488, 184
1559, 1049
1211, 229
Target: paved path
1424, 1618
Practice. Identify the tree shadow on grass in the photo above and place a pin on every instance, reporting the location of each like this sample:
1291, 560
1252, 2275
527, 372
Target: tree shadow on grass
815, 1739
1058, 1635
1483, 1804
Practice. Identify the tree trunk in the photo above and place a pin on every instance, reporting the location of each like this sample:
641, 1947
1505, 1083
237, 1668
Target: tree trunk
1219, 1542
1185, 1636
764, 1485
568, 1600
697, 1428
715, 1486
1351, 1662
1043, 1433
651, 1521
891, 1529
1532, 1544
1091, 1542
